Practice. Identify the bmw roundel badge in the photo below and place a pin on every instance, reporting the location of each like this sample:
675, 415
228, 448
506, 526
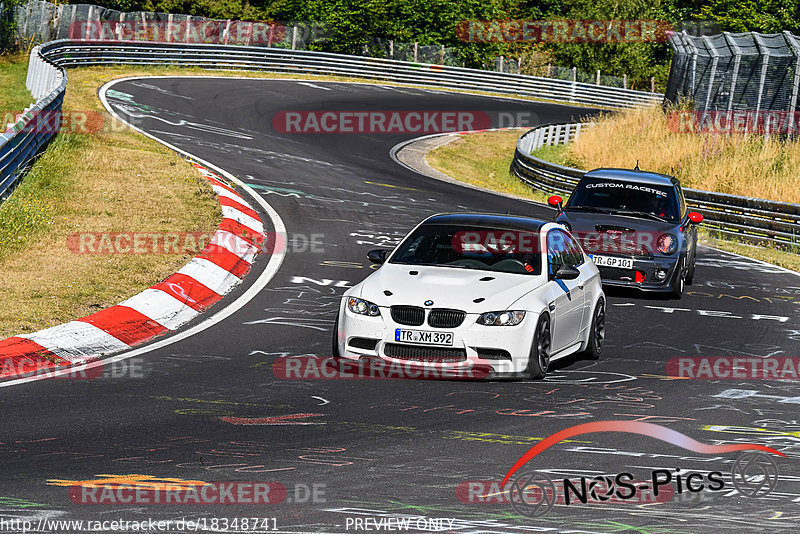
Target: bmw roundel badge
428, 303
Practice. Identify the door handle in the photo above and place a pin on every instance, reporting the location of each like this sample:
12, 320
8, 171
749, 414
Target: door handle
552, 306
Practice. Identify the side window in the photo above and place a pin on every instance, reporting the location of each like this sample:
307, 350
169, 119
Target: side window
558, 253
681, 202
576, 252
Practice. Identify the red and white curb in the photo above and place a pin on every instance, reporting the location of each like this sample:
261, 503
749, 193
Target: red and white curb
162, 308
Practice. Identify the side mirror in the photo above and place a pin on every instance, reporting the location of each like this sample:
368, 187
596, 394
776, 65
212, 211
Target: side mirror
555, 201
695, 217
567, 272
378, 255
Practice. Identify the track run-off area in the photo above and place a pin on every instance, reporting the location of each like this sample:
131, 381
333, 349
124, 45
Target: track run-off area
210, 406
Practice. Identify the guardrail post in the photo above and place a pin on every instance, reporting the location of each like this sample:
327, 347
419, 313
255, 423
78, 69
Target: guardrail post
624, 81
294, 37
441, 56
567, 131
391, 48
416, 49
574, 74
598, 77
577, 131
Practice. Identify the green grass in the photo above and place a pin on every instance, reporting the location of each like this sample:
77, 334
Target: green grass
14, 97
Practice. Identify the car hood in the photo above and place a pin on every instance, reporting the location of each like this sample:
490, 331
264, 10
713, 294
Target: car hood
447, 287
581, 222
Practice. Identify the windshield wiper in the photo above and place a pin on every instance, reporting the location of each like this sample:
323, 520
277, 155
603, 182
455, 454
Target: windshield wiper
641, 214
589, 208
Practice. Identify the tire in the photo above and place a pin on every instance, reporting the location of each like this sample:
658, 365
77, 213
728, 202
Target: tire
335, 339
597, 332
690, 273
539, 359
678, 282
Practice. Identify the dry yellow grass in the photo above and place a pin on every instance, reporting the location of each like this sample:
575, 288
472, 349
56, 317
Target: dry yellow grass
735, 164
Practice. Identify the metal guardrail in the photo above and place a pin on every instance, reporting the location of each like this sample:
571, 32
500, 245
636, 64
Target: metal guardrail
213, 56
38, 123
745, 218
47, 81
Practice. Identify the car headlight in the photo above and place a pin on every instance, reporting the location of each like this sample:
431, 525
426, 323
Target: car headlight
362, 307
667, 243
501, 318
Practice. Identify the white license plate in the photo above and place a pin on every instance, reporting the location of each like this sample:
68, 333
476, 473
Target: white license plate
421, 336
610, 261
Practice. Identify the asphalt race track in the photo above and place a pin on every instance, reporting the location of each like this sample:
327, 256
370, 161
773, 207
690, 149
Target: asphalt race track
210, 407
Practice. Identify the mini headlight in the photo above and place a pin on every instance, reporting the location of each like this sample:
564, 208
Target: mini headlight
362, 307
666, 243
501, 318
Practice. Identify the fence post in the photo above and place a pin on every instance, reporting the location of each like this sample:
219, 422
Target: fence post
567, 132
598, 77
737, 58
764, 52
501, 63
519, 65
574, 74
577, 131
714, 63
169, 28
548, 69
294, 37
441, 56
624, 81
391, 48
416, 51
652, 84
796, 84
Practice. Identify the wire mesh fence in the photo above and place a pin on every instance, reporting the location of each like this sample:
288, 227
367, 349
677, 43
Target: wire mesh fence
735, 71
40, 21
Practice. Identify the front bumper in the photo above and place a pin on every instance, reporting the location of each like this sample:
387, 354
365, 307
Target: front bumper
612, 276
501, 349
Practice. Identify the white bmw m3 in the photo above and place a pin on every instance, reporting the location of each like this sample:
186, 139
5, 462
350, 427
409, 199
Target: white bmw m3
506, 293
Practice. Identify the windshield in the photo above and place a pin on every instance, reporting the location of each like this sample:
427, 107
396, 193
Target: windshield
487, 249
625, 198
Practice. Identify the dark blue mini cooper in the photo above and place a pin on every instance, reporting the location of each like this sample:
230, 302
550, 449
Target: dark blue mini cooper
636, 228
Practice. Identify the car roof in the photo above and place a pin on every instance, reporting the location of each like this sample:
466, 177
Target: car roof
487, 220
632, 175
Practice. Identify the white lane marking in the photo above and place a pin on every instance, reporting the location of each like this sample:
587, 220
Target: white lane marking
76, 341
274, 263
309, 84
324, 401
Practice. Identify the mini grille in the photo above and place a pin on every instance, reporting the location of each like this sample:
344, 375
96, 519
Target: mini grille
442, 318
408, 315
425, 354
